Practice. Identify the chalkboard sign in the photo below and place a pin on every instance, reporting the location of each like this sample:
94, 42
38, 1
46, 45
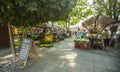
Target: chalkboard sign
25, 48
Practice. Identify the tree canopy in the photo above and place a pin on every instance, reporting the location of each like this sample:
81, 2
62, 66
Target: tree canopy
29, 12
83, 9
80, 12
108, 8
32, 12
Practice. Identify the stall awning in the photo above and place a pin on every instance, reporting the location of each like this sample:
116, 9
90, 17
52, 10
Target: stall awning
99, 22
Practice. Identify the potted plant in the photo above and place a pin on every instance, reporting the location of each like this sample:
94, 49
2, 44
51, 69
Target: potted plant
76, 43
82, 43
87, 44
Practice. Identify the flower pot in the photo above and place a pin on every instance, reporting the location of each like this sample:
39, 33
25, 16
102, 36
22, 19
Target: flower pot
81, 45
87, 46
76, 45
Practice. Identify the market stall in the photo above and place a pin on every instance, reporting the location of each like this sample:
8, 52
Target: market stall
98, 23
95, 26
45, 37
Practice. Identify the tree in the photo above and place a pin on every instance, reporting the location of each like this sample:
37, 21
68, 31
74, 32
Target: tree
80, 12
32, 12
108, 8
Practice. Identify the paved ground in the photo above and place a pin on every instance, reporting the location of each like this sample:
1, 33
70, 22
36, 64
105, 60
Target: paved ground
63, 57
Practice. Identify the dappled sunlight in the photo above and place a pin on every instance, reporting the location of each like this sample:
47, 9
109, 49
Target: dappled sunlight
62, 64
61, 57
71, 56
6, 59
70, 60
52, 49
40, 55
72, 64
8, 56
70, 43
60, 46
66, 50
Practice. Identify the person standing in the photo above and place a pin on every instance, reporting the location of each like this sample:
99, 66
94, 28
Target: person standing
58, 34
109, 37
105, 36
82, 34
78, 34
113, 39
75, 33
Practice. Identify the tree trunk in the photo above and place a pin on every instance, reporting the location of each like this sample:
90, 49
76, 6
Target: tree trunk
66, 26
52, 34
11, 41
95, 29
25, 33
110, 8
115, 10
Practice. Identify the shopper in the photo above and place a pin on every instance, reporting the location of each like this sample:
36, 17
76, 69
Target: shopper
78, 34
82, 34
105, 36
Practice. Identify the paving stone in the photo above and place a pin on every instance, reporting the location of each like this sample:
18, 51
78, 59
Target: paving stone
113, 67
76, 68
97, 69
88, 68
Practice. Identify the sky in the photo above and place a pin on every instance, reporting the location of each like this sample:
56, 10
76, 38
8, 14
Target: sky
90, 1
118, 0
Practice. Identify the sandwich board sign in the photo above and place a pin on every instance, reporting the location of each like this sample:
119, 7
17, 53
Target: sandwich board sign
25, 48
27, 45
